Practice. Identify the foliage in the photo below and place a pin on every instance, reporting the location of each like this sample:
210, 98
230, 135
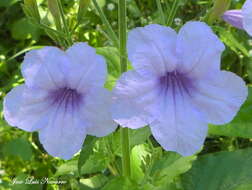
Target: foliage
221, 171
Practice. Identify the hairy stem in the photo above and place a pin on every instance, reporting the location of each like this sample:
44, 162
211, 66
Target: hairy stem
123, 62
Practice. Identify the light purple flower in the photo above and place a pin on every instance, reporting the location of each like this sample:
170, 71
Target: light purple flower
234, 17
63, 98
177, 86
241, 19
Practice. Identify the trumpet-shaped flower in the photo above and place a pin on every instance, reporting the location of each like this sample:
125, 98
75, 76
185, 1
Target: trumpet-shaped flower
177, 87
241, 18
63, 98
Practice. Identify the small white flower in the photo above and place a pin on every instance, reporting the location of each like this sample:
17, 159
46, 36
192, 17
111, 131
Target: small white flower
177, 21
63, 98
111, 6
177, 87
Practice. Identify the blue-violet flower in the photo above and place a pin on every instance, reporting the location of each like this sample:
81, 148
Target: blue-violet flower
63, 98
177, 87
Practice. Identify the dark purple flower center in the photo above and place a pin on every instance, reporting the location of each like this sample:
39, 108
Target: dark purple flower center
66, 98
176, 82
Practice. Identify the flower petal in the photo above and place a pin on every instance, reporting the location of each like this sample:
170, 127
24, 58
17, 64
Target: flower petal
64, 134
181, 127
132, 96
45, 68
152, 49
247, 14
220, 96
12, 103
199, 49
26, 108
97, 112
88, 68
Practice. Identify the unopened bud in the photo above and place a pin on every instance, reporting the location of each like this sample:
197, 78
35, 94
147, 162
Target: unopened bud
234, 17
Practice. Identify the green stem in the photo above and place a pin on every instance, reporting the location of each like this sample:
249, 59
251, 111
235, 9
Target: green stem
45, 27
161, 12
69, 39
112, 170
105, 21
122, 35
172, 12
219, 7
24, 51
123, 62
125, 152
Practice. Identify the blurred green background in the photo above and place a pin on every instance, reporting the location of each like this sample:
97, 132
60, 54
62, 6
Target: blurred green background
225, 161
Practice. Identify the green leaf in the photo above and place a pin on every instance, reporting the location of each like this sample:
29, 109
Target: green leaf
97, 162
18, 147
111, 55
101, 3
171, 165
7, 3
55, 11
249, 68
241, 125
101, 157
94, 159
120, 183
110, 82
94, 164
23, 29
139, 136
133, 9
94, 181
138, 156
221, 171
86, 151
168, 186
231, 40
219, 7
30, 8
68, 168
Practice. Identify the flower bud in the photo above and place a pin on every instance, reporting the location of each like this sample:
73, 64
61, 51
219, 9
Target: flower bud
234, 17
